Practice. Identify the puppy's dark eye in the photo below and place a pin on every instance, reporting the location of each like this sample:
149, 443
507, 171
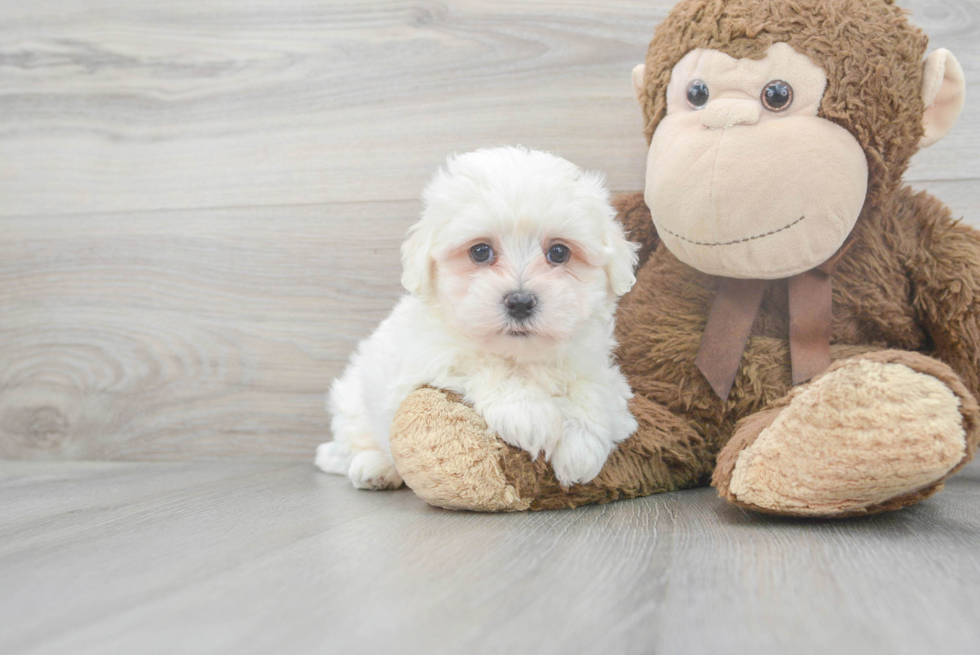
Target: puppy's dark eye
777, 96
481, 253
697, 94
558, 254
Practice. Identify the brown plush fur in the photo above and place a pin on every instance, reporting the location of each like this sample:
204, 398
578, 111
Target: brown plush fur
872, 56
665, 455
910, 281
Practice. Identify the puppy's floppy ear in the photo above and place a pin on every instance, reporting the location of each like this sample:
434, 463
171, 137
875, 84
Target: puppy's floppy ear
620, 255
621, 258
417, 259
639, 74
437, 204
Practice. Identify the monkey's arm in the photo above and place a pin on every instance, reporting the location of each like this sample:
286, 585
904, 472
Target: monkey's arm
945, 270
634, 214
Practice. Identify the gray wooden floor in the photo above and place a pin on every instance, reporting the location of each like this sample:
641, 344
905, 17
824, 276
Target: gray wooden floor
110, 557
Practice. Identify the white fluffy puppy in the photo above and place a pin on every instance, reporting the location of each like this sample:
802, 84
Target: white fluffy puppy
513, 273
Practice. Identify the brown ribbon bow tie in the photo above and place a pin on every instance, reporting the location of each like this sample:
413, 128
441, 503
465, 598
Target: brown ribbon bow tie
733, 313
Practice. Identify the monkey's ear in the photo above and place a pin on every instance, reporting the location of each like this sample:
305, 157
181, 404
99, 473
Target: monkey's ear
943, 93
639, 72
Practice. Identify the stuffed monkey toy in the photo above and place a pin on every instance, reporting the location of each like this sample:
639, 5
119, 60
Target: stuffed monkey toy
804, 332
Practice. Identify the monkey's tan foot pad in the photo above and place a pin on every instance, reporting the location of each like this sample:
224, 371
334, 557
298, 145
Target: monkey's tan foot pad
448, 456
876, 432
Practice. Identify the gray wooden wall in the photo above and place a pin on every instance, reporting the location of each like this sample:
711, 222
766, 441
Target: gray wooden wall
201, 201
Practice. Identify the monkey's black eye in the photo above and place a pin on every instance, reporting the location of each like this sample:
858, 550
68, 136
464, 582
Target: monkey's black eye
777, 96
697, 94
481, 253
558, 254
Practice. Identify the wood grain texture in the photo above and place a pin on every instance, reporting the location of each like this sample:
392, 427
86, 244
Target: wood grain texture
201, 201
135, 105
187, 334
108, 557
216, 103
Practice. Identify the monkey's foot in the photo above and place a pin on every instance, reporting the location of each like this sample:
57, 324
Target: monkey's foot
447, 455
875, 432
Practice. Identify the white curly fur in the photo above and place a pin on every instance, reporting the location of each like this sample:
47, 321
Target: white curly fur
548, 383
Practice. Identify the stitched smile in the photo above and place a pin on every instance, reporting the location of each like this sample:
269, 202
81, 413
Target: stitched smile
731, 243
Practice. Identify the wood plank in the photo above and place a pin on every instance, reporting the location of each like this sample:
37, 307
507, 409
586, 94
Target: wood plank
121, 106
70, 524
253, 558
188, 334
134, 331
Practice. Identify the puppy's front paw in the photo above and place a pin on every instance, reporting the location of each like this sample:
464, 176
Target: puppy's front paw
370, 469
533, 426
579, 455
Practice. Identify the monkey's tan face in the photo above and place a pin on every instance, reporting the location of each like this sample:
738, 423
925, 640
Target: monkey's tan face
744, 179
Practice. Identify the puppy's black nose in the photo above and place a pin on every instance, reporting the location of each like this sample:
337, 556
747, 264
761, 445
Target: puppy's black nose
520, 304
